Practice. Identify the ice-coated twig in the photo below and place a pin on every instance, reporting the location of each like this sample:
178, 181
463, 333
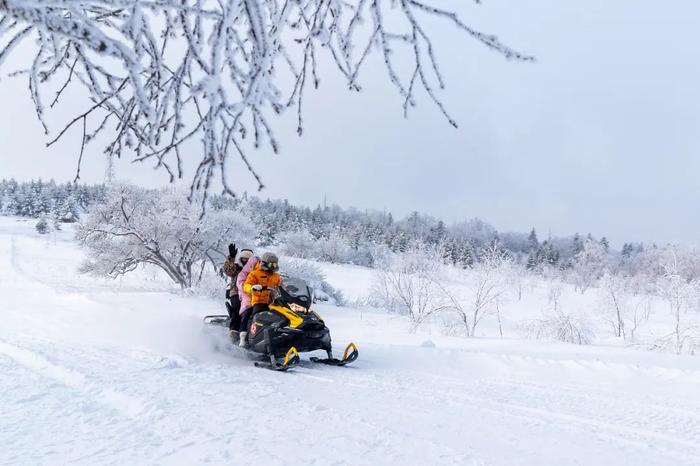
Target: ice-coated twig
169, 73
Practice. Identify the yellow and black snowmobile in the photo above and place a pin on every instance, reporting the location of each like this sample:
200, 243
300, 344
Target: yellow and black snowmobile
288, 328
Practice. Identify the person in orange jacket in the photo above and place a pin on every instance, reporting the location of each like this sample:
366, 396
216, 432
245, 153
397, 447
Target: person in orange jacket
260, 284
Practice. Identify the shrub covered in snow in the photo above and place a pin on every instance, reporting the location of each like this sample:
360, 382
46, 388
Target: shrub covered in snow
409, 286
312, 274
42, 226
561, 326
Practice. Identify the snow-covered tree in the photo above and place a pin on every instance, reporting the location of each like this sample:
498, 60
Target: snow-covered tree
682, 295
66, 210
517, 279
42, 226
622, 308
410, 285
487, 283
334, 249
576, 245
589, 264
298, 244
134, 226
161, 73
314, 277
533, 242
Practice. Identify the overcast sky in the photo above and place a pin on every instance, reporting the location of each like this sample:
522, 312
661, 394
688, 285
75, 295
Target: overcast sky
601, 135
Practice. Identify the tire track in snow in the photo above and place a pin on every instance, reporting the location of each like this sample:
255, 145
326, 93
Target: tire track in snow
128, 406
345, 433
107, 358
393, 446
687, 410
588, 364
350, 433
545, 413
629, 430
674, 424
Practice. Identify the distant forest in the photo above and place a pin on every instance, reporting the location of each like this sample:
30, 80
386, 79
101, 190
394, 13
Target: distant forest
332, 233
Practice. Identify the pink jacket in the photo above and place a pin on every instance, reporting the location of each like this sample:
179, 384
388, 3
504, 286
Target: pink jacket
240, 281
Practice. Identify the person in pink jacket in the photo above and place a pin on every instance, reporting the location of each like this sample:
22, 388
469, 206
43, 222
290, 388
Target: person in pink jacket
245, 297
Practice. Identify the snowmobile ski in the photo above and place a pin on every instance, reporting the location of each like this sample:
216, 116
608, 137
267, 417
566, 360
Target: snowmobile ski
349, 355
290, 360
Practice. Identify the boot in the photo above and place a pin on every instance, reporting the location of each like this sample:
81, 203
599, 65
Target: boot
244, 339
234, 335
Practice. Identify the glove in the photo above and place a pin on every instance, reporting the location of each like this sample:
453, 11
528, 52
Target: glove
232, 251
257, 287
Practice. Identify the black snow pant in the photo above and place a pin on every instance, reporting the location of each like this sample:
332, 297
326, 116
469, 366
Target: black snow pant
233, 306
249, 313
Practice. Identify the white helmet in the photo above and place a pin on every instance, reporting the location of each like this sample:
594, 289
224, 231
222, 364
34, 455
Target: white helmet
243, 256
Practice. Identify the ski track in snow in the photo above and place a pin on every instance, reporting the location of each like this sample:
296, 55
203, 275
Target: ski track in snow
95, 375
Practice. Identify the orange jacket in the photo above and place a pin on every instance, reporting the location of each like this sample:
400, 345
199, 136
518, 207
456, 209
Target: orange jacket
258, 276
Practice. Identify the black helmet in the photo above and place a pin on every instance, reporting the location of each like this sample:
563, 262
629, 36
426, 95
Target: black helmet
269, 262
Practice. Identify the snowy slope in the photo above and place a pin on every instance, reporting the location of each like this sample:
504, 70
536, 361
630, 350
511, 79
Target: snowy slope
110, 372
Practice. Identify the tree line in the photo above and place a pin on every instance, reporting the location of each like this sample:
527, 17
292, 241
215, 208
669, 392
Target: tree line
342, 235
47, 199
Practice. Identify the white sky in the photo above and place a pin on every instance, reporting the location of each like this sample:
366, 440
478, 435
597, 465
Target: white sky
600, 135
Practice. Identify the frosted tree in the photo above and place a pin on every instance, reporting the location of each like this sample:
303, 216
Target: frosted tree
532, 240
487, 284
517, 278
298, 244
162, 73
135, 227
409, 285
682, 295
65, 210
622, 308
576, 245
589, 264
42, 226
558, 324
334, 249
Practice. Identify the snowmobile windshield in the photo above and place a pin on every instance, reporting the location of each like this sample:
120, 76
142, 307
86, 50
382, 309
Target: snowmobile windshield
296, 291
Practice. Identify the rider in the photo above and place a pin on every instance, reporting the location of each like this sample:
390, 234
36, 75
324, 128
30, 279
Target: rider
259, 284
233, 265
245, 297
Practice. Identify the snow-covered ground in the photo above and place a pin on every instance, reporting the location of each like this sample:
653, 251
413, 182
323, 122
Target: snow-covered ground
121, 372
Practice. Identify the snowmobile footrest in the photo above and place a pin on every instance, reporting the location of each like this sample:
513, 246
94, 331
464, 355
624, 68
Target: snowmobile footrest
221, 320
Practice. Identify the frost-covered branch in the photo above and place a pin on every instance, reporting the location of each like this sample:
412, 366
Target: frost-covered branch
162, 73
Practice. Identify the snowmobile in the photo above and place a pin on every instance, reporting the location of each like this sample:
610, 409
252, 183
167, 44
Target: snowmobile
288, 328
